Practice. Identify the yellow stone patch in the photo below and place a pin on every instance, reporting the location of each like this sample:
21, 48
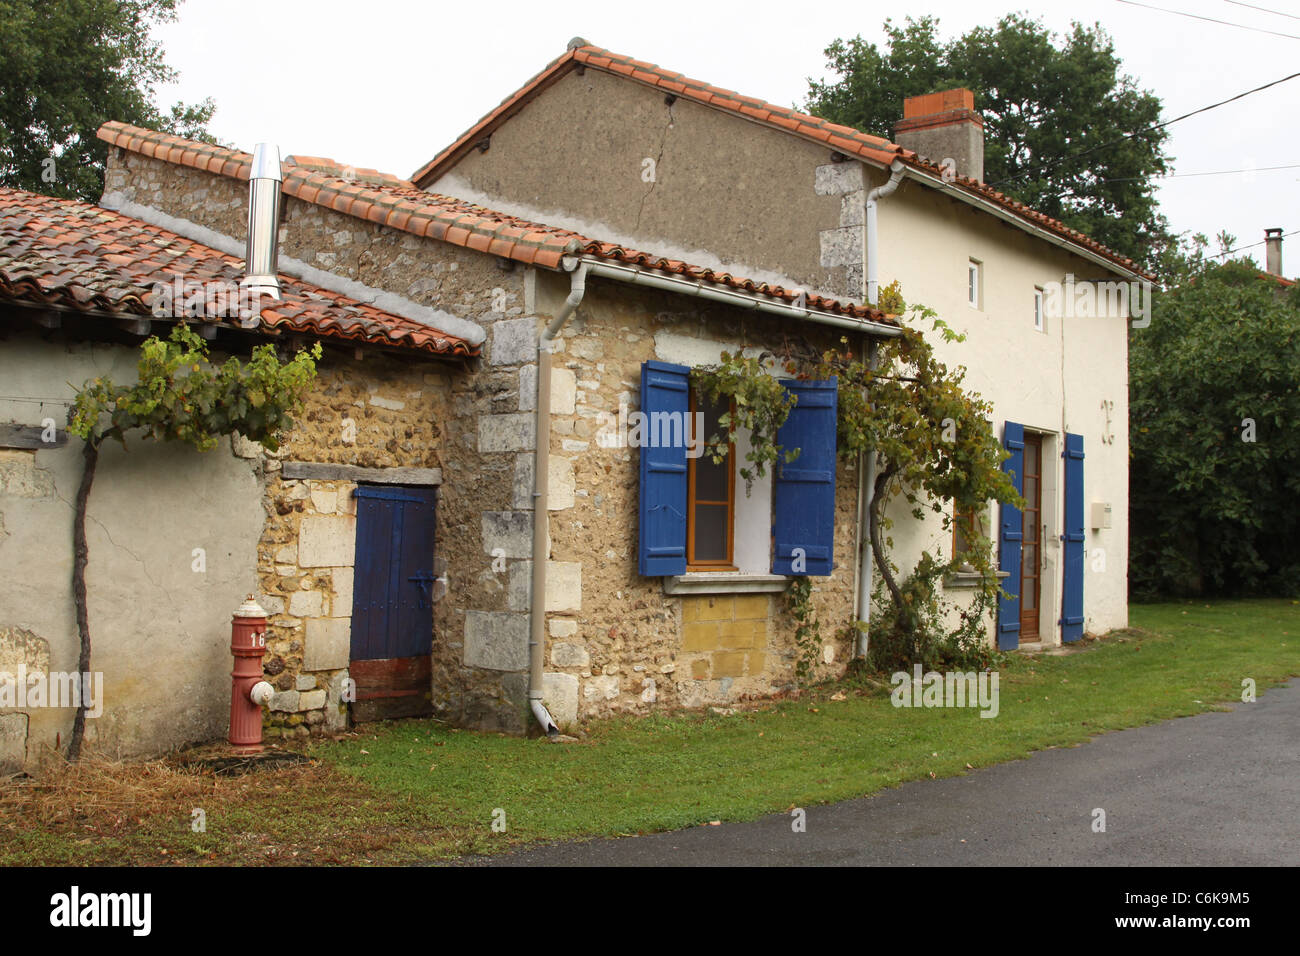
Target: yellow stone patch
736, 634
728, 664
700, 636
751, 607
714, 608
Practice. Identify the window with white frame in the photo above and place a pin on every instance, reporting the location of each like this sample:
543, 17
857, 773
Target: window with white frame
974, 282
1040, 320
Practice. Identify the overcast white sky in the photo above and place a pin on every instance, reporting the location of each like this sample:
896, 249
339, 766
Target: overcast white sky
386, 84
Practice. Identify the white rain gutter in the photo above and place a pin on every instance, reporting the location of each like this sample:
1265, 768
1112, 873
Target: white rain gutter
867, 460
541, 496
866, 497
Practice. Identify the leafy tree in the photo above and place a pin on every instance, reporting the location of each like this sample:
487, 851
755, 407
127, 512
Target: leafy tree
1215, 397
179, 396
66, 68
1059, 116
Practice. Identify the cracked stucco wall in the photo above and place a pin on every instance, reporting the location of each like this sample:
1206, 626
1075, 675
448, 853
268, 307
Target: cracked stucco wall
726, 192
160, 630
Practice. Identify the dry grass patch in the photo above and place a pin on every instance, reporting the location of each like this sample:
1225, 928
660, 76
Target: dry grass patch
102, 811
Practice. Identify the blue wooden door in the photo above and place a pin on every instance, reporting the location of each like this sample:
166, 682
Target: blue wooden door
1073, 541
392, 600
1010, 541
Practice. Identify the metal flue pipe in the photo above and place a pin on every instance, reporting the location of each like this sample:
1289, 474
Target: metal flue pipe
262, 252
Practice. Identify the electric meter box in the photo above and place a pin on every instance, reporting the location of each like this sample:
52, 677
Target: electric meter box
1100, 514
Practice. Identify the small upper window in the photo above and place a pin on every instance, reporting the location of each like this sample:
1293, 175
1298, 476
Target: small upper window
1040, 322
973, 277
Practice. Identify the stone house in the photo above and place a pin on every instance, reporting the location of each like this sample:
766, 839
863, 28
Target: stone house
794, 199
436, 390
568, 300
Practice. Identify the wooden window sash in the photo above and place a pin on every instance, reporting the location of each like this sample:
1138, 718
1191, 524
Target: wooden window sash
727, 563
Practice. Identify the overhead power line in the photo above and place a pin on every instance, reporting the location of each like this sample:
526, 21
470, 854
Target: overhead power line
1197, 16
1220, 172
1276, 13
1067, 193
1228, 252
1143, 132
1217, 172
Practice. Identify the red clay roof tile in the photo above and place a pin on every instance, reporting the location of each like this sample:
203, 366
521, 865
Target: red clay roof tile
64, 253
448, 219
846, 139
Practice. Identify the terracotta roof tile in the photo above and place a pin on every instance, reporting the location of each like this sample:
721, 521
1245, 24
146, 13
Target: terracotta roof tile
448, 219
63, 253
843, 138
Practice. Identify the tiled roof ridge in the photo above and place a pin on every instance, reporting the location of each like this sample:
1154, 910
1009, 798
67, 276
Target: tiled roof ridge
369, 201
67, 253
844, 139
403, 206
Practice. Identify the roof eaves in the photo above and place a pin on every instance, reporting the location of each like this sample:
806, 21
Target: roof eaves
474, 227
852, 142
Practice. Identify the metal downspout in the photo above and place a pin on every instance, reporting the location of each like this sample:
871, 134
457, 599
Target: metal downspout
867, 463
873, 200
541, 500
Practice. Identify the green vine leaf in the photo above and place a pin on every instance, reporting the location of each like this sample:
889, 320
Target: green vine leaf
759, 406
180, 395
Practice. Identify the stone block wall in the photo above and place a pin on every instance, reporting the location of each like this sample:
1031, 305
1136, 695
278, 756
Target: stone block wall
379, 412
615, 641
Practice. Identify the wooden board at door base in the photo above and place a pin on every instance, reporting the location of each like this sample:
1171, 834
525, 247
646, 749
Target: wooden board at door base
396, 687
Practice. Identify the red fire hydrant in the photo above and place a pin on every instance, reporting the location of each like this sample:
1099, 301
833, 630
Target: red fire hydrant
248, 691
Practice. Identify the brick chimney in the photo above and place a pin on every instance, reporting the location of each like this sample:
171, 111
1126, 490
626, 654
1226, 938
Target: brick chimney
943, 126
1273, 251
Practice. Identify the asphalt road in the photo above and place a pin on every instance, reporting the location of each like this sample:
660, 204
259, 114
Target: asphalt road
1215, 789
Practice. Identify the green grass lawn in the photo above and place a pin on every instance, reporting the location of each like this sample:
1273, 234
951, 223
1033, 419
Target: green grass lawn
413, 790
635, 775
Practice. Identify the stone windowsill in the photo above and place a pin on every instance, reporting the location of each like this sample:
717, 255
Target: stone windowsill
725, 582
968, 579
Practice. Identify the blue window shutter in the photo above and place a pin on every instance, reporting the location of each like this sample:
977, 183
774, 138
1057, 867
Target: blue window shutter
1010, 535
804, 508
662, 550
1072, 584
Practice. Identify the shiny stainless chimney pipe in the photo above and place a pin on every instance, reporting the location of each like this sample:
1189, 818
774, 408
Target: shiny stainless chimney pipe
264, 183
